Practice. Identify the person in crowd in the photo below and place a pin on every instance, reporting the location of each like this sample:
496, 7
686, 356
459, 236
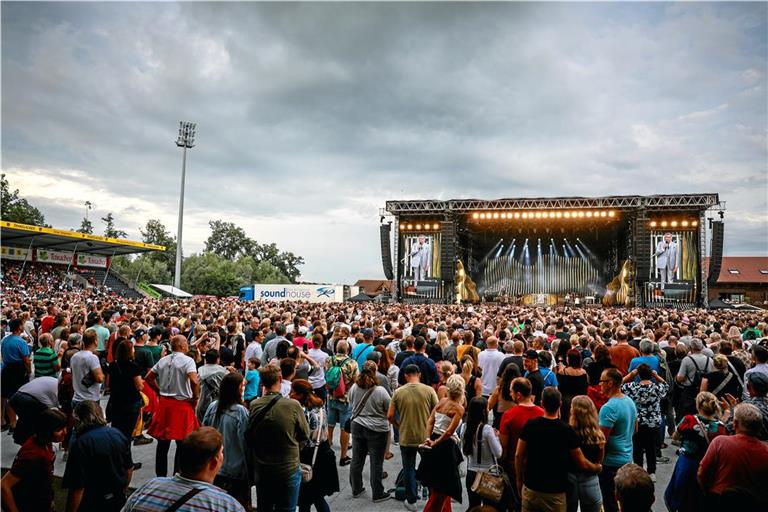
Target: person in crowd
722, 380
317, 452
87, 373
370, 403
210, 376
441, 457
15, 367
317, 377
99, 467
546, 449
501, 399
473, 386
693, 367
126, 385
482, 447
583, 487
270, 348
634, 489
409, 411
734, 470
277, 428
444, 372
341, 372
534, 374
696, 432
645, 346
201, 455
362, 350
513, 421
28, 485
571, 380
647, 394
489, 361
427, 368
174, 378
29, 402
759, 360
46, 361
617, 421
228, 416
622, 353
757, 389
252, 380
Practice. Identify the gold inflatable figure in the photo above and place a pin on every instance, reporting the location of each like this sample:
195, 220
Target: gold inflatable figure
466, 290
619, 291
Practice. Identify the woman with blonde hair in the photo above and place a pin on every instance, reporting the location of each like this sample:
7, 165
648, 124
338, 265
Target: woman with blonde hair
583, 488
470, 374
444, 371
440, 453
695, 431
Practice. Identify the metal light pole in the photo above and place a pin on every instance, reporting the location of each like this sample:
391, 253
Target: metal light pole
186, 140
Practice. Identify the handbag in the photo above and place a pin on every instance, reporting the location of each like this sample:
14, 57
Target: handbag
356, 412
491, 484
306, 469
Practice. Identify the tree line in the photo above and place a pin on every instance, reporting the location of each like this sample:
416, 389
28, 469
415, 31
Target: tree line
230, 258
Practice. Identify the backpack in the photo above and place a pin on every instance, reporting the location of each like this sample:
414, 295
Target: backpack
699, 373
334, 380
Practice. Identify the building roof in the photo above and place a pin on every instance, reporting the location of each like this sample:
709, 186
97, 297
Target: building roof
14, 234
741, 270
374, 287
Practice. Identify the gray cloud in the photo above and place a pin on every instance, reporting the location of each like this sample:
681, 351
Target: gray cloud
312, 115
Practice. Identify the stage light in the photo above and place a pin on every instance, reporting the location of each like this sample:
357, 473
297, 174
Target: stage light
410, 226
611, 213
435, 226
402, 227
603, 214
694, 223
567, 215
674, 223
559, 214
581, 214
663, 223
418, 226
475, 215
538, 215
684, 223
517, 215
589, 214
653, 223
525, 215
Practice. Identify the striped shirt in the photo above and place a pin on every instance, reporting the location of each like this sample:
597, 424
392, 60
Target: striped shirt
44, 360
160, 493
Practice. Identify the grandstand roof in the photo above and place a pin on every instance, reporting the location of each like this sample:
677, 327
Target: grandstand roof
13, 234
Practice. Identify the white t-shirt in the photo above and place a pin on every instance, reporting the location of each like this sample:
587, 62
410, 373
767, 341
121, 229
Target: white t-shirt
285, 388
172, 375
489, 360
317, 377
82, 363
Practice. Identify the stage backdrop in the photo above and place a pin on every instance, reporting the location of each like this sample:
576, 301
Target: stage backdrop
432, 244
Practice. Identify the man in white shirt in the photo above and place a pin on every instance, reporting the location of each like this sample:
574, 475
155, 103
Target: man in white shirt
86, 370
489, 360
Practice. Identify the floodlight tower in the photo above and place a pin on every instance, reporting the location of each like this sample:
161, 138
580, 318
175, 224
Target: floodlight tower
186, 140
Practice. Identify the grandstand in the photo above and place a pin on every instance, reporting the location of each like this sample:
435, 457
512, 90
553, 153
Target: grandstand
67, 257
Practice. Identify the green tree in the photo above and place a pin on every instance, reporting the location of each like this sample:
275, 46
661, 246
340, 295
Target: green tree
85, 227
109, 227
16, 209
156, 233
228, 240
209, 274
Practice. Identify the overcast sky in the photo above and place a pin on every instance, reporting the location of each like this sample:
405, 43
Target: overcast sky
310, 116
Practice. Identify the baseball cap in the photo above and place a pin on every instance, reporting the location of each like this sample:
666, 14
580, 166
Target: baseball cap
373, 356
531, 354
138, 333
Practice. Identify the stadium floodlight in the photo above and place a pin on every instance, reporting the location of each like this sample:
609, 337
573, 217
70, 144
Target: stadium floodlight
186, 140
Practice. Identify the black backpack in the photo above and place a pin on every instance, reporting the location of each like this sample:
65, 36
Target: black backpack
699, 373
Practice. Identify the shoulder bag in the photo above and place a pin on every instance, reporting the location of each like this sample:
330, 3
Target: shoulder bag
306, 469
358, 410
491, 484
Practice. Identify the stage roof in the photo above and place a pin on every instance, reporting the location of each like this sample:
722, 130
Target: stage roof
13, 234
657, 202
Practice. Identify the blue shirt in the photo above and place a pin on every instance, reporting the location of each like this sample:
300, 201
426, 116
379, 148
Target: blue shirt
252, 381
426, 366
360, 353
618, 414
651, 361
14, 349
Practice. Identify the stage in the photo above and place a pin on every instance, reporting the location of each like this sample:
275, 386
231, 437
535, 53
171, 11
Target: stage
550, 251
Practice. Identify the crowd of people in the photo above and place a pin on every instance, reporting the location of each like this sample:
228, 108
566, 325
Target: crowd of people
533, 409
